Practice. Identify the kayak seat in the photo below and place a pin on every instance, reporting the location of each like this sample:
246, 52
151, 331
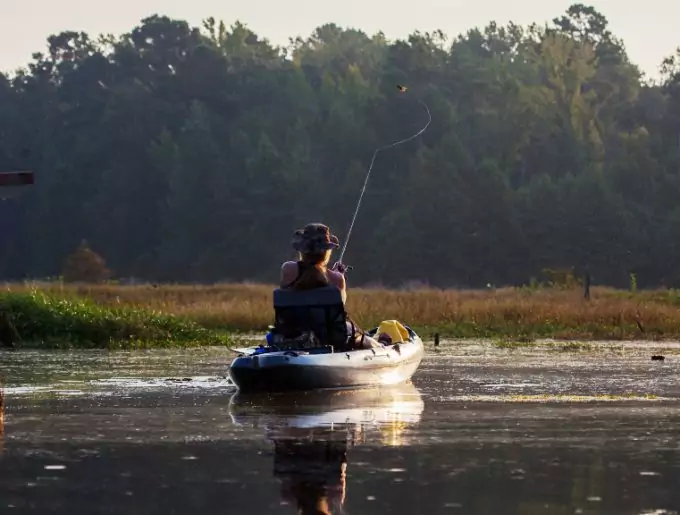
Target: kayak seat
309, 319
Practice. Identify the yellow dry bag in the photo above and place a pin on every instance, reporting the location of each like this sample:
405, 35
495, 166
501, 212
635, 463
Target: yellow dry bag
396, 330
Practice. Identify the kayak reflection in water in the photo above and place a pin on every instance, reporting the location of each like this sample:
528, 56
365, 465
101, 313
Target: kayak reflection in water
312, 434
312, 471
314, 244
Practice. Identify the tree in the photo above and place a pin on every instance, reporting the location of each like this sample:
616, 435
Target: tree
85, 265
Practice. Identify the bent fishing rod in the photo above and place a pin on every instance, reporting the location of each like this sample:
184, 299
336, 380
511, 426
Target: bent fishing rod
370, 168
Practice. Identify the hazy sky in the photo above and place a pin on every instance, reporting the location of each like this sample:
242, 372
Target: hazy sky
649, 28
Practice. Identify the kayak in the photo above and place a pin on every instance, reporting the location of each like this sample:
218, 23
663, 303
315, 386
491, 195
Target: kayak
267, 369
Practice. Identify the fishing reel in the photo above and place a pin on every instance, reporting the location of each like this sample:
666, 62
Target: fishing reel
341, 267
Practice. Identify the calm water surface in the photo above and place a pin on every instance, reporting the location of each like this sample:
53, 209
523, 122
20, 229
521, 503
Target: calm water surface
480, 430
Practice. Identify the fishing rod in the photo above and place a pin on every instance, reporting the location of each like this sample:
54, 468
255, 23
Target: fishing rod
370, 168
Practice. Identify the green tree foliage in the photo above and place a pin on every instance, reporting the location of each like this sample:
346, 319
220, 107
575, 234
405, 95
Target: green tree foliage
191, 154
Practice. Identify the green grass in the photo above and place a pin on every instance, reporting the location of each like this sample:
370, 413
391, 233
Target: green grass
48, 321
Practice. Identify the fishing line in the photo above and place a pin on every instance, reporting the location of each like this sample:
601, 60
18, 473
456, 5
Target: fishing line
370, 168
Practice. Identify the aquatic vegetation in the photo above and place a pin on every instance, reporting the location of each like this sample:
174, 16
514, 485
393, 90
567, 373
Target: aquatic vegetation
572, 346
48, 320
512, 344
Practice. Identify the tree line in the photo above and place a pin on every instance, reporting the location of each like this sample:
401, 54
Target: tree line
187, 153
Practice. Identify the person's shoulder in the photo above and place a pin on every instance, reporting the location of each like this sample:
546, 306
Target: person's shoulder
289, 267
288, 272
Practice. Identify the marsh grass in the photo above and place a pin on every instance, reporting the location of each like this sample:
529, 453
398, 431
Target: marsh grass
520, 314
47, 319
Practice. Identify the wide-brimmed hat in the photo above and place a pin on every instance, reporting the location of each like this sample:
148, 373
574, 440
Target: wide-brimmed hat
314, 238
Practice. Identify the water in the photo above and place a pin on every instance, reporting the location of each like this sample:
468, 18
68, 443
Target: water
480, 431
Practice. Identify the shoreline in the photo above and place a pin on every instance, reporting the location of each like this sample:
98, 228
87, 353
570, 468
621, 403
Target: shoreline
57, 315
468, 346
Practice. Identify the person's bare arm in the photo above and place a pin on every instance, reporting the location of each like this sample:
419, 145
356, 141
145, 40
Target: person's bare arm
289, 272
338, 279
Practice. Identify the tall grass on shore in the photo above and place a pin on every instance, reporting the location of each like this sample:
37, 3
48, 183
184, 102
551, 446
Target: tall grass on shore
507, 312
47, 319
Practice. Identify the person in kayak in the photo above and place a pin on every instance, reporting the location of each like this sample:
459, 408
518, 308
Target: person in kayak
314, 244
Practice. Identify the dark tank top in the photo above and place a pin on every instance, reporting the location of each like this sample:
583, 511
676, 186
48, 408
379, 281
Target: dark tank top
302, 267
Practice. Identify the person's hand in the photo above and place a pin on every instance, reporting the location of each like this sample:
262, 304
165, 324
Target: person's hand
339, 267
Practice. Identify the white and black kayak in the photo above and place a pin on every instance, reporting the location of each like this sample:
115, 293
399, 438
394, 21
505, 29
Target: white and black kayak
296, 359
302, 370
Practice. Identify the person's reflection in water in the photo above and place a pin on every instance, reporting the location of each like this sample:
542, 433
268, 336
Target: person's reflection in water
312, 468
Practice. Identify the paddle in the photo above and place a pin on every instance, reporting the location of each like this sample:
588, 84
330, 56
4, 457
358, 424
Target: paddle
243, 350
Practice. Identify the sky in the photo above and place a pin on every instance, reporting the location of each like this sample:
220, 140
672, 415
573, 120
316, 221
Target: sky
648, 29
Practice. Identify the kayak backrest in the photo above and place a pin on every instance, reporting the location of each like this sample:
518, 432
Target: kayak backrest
320, 310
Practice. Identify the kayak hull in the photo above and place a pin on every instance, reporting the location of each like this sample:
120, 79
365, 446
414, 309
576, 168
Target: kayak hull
296, 371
